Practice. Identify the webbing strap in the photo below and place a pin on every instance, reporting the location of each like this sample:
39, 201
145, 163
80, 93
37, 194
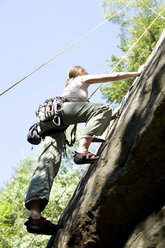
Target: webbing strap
73, 136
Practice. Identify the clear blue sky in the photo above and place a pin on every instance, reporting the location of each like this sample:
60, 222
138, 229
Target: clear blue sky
31, 33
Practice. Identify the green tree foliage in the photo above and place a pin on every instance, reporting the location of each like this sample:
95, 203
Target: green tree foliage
133, 21
13, 214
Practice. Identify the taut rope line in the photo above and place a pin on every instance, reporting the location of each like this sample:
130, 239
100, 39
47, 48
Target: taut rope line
159, 15
155, 12
66, 48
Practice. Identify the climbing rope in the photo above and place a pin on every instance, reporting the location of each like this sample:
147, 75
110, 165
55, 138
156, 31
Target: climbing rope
159, 14
66, 48
155, 12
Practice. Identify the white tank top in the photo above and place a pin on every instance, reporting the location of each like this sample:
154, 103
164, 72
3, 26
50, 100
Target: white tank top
76, 91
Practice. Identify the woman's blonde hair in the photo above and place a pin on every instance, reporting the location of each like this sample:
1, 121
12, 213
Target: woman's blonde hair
74, 72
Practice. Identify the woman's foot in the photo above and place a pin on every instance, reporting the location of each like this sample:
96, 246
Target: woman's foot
85, 158
41, 226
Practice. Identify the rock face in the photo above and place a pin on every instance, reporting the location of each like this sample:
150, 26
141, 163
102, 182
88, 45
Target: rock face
150, 233
124, 192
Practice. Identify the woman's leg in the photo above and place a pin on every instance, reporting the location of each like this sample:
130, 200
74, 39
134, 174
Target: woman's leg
84, 145
35, 209
41, 183
48, 165
96, 116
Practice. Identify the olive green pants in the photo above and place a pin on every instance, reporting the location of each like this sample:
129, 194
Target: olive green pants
47, 168
96, 117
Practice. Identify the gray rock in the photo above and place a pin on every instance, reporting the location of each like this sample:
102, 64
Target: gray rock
149, 233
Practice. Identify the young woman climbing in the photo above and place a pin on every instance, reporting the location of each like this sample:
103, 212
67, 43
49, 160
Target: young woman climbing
76, 109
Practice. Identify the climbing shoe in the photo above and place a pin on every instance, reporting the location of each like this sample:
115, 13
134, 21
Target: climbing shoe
41, 226
85, 158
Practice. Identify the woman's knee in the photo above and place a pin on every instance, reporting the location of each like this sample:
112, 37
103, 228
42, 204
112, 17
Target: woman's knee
106, 109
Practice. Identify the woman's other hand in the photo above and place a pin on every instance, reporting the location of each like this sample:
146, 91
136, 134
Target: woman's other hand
141, 69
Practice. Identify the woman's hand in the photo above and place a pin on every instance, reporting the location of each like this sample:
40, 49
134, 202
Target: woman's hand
141, 69
116, 113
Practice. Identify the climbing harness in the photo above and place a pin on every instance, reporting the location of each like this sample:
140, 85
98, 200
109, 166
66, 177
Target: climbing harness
49, 117
49, 120
51, 110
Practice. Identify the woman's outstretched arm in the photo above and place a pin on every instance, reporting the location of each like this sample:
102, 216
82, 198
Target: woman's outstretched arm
103, 78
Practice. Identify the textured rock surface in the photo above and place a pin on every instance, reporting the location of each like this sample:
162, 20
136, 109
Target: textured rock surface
127, 184
150, 233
